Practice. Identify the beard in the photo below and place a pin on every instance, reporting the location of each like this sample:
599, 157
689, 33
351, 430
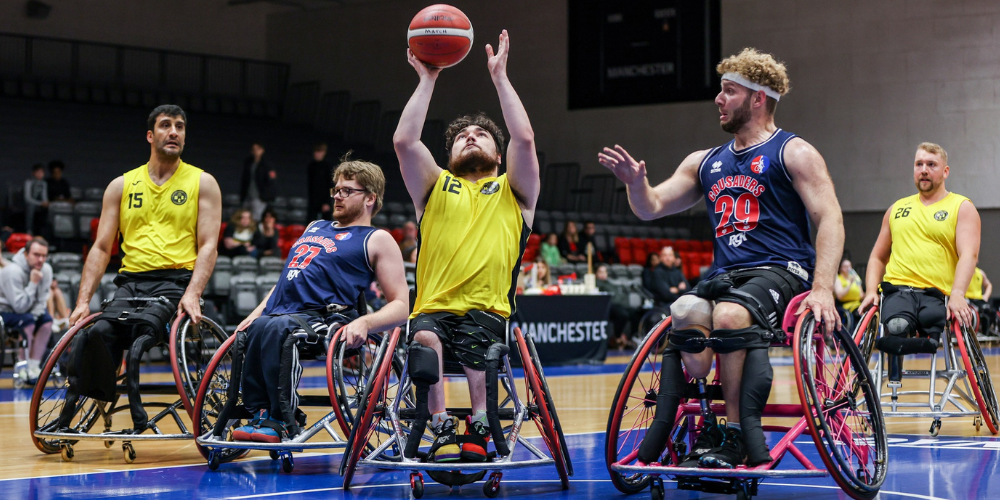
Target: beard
473, 162
739, 118
928, 188
349, 213
161, 150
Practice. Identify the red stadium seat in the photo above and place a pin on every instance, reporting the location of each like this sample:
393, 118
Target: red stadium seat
293, 231
397, 234
639, 255
622, 242
652, 245
16, 241
534, 240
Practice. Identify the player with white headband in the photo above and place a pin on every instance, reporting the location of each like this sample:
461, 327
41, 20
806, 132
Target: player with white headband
762, 189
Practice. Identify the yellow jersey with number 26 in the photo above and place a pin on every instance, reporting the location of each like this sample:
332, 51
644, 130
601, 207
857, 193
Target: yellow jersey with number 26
472, 235
159, 224
924, 254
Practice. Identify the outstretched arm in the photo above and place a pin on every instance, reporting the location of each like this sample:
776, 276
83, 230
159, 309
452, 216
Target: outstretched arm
522, 160
678, 193
100, 253
415, 161
967, 236
384, 255
209, 220
813, 184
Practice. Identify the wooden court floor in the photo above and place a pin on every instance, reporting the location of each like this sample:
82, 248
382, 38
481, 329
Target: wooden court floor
582, 395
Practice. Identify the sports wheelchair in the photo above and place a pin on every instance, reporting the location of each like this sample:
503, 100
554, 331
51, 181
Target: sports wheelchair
392, 408
838, 408
974, 396
190, 346
12, 340
218, 408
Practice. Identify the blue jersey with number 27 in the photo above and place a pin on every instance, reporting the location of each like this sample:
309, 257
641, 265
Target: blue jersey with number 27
326, 265
759, 218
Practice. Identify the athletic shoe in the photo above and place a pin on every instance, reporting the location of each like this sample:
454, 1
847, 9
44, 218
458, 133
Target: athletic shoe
270, 430
731, 454
445, 447
245, 432
477, 435
709, 440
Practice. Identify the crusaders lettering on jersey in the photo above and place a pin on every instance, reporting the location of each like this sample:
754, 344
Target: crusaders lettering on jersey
736, 181
323, 241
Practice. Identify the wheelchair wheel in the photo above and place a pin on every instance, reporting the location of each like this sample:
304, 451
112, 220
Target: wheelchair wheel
49, 396
211, 398
347, 374
191, 349
538, 395
633, 408
979, 375
371, 411
842, 408
866, 333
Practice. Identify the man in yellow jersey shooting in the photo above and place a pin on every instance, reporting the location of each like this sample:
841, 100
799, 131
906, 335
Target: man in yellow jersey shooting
926, 250
474, 225
168, 213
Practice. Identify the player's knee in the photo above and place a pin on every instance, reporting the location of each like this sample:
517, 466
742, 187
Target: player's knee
691, 311
423, 364
898, 326
730, 316
426, 338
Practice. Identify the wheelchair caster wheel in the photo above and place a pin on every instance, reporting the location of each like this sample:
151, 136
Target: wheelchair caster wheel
492, 487
417, 484
109, 444
67, 453
213, 460
273, 454
129, 452
977, 422
935, 428
656, 489
286, 462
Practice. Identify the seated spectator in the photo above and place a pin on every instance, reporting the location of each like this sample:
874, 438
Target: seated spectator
58, 187
36, 200
24, 293
665, 281
587, 238
538, 276
265, 240
57, 307
847, 288
237, 239
549, 250
623, 316
569, 244
408, 245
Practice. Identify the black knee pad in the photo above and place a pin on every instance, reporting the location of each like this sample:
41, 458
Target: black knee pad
423, 364
725, 340
899, 326
672, 385
688, 340
755, 388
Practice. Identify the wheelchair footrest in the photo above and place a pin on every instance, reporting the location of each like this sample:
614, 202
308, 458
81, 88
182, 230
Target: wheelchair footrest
722, 486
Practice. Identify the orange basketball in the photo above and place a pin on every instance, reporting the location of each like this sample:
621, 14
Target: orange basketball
440, 35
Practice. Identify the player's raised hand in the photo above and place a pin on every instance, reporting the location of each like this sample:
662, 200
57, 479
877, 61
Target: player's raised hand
622, 164
423, 70
497, 63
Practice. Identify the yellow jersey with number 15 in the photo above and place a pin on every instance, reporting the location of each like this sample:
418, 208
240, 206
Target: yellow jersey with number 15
159, 224
471, 239
924, 254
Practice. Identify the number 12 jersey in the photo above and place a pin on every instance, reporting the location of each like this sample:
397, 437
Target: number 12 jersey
759, 218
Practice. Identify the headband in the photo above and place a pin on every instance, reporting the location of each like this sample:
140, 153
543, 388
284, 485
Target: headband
737, 78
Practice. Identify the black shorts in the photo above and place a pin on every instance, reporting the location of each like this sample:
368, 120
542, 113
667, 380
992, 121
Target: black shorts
466, 338
772, 287
924, 309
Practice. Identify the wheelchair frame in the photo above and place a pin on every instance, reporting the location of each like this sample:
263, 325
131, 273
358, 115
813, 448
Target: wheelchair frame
50, 440
217, 449
857, 464
387, 454
977, 398
18, 343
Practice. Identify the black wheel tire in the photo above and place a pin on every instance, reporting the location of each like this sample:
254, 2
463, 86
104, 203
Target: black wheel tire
418, 488
273, 454
213, 461
286, 463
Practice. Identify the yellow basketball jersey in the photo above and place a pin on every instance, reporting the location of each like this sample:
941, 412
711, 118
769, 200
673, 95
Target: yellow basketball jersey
472, 235
159, 224
852, 300
923, 242
975, 290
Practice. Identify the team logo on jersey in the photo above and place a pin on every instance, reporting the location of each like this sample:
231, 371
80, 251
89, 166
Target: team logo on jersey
941, 215
735, 240
342, 236
759, 164
796, 269
292, 274
716, 168
179, 197
490, 187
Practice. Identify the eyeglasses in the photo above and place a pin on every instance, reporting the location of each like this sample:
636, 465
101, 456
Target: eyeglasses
346, 192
